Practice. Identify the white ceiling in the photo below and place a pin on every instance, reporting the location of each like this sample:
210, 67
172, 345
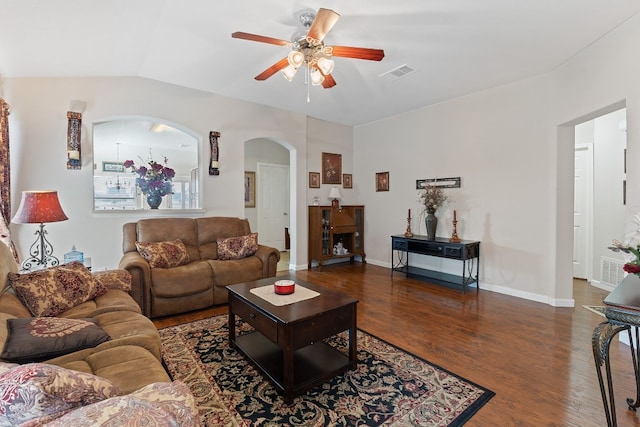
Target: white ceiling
457, 46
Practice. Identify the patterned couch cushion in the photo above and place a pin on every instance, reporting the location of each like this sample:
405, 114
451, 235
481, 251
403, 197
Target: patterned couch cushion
158, 404
114, 279
40, 338
38, 391
237, 247
164, 254
55, 290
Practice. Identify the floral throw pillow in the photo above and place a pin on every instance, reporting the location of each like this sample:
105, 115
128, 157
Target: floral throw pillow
237, 247
40, 338
158, 404
164, 254
115, 279
55, 290
39, 391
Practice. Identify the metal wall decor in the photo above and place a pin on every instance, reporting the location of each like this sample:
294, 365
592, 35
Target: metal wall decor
439, 182
214, 166
74, 158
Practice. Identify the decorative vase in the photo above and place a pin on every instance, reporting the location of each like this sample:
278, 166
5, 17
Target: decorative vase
431, 221
154, 199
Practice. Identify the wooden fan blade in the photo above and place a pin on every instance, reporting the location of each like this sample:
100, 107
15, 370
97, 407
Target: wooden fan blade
325, 20
358, 52
258, 38
328, 82
283, 63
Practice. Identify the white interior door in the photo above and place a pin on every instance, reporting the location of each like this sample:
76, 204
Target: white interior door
582, 199
272, 200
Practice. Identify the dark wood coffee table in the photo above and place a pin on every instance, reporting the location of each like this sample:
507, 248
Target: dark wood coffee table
287, 344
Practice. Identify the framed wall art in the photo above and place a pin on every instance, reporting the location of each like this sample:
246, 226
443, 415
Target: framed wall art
331, 168
314, 179
112, 167
249, 189
347, 180
382, 181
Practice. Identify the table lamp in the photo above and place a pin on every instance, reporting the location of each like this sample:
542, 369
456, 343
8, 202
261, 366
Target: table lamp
335, 195
39, 207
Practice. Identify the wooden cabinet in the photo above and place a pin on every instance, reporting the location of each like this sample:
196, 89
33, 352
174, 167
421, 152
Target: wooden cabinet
331, 227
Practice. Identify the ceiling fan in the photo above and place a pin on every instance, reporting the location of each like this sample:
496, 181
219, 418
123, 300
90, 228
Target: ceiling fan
308, 49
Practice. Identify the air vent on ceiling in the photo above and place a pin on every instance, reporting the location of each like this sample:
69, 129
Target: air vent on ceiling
399, 72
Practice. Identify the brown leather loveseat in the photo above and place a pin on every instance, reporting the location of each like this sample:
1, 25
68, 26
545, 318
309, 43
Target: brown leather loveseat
195, 279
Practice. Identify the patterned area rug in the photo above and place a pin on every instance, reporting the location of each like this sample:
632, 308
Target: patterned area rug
390, 387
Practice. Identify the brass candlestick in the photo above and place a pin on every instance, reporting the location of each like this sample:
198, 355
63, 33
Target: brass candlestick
408, 233
454, 236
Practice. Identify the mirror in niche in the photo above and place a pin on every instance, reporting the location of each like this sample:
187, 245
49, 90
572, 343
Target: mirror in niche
142, 141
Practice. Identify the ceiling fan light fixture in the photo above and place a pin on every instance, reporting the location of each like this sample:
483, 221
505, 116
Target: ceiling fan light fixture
295, 58
289, 72
316, 77
325, 65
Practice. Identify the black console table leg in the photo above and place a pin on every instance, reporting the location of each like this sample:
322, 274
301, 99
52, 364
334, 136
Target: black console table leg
635, 356
601, 341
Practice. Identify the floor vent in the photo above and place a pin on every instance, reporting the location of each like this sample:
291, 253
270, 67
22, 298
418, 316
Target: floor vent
611, 271
399, 72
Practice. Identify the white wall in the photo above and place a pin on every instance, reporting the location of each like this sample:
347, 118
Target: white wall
38, 127
515, 158
326, 137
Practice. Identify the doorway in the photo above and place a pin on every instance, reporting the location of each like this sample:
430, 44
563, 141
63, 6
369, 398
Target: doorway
272, 201
272, 213
599, 199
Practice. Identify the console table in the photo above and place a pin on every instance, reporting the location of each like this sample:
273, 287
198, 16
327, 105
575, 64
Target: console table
466, 251
622, 310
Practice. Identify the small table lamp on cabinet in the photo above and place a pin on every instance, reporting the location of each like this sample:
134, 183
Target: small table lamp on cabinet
335, 195
39, 207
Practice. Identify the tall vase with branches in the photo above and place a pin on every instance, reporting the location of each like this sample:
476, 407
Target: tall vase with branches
432, 197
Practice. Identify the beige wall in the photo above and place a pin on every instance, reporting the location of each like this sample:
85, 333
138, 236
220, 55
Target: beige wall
516, 163
38, 128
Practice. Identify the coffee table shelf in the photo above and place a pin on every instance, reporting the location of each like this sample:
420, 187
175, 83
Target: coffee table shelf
313, 364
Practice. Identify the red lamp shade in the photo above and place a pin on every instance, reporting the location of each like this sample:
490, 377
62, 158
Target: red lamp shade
39, 207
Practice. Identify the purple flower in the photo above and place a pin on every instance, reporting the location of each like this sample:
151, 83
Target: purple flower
156, 178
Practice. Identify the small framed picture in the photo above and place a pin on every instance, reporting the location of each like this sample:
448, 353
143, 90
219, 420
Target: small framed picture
382, 181
314, 179
112, 167
249, 189
347, 180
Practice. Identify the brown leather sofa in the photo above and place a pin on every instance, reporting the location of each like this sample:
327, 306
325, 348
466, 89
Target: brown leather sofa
132, 357
201, 282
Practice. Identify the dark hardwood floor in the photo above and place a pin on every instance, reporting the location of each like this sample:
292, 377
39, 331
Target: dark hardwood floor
536, 358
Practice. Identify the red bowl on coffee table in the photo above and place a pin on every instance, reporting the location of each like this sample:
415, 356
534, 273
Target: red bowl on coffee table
284, 287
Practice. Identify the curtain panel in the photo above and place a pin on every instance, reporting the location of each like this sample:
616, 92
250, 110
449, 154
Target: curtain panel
5, 179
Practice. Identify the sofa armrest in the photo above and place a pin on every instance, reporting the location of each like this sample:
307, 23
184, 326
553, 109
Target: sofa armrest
140, 272
269, 257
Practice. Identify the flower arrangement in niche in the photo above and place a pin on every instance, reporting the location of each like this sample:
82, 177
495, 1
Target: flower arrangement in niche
154, 180
432, 197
